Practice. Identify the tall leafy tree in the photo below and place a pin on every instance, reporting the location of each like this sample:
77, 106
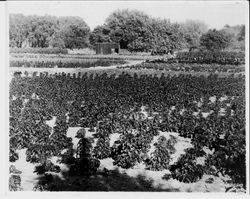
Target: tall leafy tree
18, 30
165, 37
241, 34
237, 35
45, 31
138, 32
215, 40
127, 26
100, 34
74, 32
41, 29
192, 31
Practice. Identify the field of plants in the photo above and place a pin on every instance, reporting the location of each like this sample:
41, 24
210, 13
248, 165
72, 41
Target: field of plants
100, 132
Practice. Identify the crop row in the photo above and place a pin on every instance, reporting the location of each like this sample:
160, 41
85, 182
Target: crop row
86, 56
39, 50
234, 58
64, 63
188, 67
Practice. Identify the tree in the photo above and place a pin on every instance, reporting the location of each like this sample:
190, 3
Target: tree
241, 34
45, 31
74, 32
31, 31
18, 30
237, 36
138, 32
165, 37
41, 29
241, 38
57, 40
192, 31
100, 34
215, 40
127, 26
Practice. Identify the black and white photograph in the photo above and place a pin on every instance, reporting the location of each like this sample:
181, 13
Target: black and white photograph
127, 96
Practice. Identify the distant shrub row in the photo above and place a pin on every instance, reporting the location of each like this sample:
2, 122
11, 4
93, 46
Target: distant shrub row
210, 57
39, 50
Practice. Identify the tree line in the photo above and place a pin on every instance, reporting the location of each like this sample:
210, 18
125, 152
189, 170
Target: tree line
134, 30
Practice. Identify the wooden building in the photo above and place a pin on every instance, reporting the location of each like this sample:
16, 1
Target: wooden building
107, 48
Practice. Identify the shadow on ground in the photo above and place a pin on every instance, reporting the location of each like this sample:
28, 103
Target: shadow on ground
112, 180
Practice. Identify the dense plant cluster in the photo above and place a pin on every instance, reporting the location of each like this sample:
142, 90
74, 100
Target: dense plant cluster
47, 166
186, 169
111, 104
85, 164
134, 142
162, 155
102, 149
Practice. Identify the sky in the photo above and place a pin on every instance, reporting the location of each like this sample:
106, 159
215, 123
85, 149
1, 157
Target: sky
214, 13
